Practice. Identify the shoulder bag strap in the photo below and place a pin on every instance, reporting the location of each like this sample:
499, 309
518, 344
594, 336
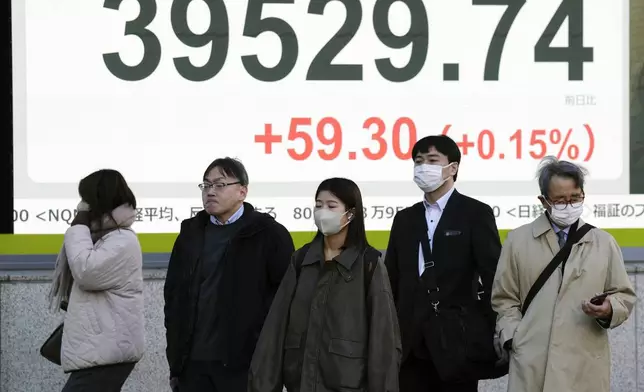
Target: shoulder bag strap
370, 258
429, 275
559, 258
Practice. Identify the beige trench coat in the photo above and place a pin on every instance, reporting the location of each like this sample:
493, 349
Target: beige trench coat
556, 347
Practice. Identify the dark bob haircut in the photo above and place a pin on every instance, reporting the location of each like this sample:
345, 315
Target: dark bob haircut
349, 194
104, 190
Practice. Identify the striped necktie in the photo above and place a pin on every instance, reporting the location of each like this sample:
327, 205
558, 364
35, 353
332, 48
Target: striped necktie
561, 236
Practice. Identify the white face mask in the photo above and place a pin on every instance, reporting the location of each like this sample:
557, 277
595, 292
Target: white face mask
568, 215
329, 222
429, 177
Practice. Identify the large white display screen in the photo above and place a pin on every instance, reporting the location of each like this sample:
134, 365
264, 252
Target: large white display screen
305, 90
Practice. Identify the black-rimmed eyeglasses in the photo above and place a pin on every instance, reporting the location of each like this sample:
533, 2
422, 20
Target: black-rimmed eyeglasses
561, 205
217, 185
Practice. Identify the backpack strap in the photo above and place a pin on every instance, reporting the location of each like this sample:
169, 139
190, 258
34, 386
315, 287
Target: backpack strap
301, 254
371, 258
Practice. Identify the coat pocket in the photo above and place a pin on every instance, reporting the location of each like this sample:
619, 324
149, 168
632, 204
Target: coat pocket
345, 365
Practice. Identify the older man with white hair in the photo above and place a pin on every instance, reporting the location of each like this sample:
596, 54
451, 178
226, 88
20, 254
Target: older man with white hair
559, 285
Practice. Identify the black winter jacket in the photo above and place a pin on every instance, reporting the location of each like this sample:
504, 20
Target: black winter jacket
253, 265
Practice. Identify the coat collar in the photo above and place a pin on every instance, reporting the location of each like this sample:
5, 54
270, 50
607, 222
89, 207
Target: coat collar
315, 254
442, 202
541, 226
447, 202
255, 222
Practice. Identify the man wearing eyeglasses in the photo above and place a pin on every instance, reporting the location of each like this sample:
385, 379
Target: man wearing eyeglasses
559, 285
225, 268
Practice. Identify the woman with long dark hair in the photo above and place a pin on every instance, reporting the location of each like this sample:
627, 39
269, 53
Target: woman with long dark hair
332, 325
99, 278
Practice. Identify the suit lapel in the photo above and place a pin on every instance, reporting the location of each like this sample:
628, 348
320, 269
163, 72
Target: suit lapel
419, 227
541, 226
553, 242
448, 217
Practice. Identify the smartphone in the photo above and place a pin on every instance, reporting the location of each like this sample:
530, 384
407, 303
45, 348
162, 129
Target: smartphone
598, 299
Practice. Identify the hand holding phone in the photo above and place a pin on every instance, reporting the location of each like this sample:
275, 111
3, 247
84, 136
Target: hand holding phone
598, 307
598, 299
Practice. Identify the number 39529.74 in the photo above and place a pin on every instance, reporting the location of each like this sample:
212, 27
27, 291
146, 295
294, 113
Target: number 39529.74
321, 68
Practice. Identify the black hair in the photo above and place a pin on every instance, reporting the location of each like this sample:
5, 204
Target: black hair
443, 144
231, 167
349, 194
104, 190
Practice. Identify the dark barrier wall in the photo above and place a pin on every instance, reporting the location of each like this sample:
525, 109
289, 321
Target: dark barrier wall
6, 130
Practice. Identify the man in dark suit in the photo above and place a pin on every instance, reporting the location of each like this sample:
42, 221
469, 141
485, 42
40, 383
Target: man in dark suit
462, 240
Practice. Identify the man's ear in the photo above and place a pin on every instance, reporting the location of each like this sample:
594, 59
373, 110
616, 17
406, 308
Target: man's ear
544, 202
454, 168
243, 190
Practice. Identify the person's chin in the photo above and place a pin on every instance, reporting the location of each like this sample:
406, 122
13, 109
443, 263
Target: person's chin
211, 209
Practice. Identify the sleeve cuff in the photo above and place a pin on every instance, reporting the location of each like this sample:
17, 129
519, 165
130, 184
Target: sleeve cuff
507, 334
604, 323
